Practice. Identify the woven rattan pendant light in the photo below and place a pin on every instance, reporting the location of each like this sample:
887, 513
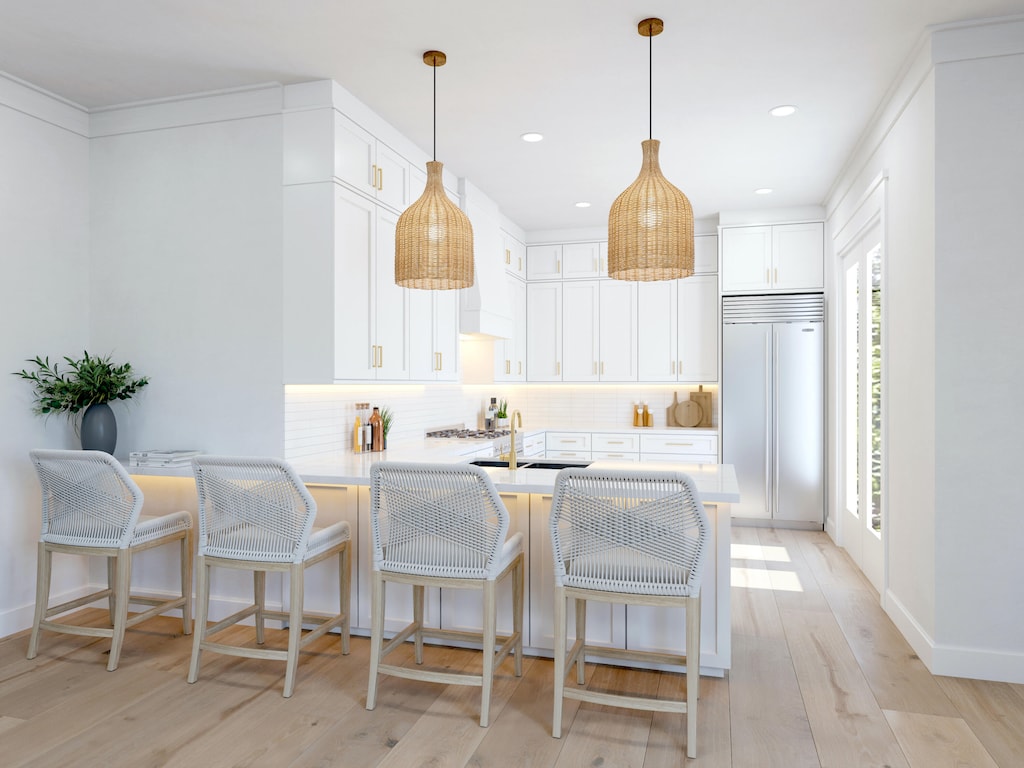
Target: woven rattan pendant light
434, 238
650, 225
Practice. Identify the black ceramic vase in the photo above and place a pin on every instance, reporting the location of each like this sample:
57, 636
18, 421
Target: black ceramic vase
99, 429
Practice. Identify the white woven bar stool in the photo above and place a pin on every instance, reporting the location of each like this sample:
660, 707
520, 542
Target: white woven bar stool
442, 525
255, 514
91, 506
639, 538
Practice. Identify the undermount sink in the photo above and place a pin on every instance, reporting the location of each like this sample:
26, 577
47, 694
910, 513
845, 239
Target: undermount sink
531, 464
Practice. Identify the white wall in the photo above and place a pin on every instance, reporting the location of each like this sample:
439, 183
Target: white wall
44, 310
948, 141
979, 355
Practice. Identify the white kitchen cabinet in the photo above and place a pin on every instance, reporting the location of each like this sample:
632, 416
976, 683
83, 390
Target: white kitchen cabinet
544, 262
617, 331
370, 166
558, 443
705, 254
462, 609
345, 319
699, 447
510, 353
515, 256
433, 335
544, 331
335, 503
581, 260
606, 622
580, 324
371, 312
780, 257
678, 325
533, 444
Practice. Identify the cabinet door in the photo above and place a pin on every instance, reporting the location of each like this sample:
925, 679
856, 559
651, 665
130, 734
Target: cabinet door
581, 260
393, 179
705, 254
746, 258
544, 330
422, 354
656, 331
580, 353
517, 369
446, 334
354, 155
355, 249
606, 622
391, 309
698, 328
617, 331
462, 609
515, 256
544, 262
798, 254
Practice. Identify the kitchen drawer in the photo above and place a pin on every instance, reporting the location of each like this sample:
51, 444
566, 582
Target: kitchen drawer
616, 443
567, 455
615, 456
680, 458
534, 445
567, 441
684, 444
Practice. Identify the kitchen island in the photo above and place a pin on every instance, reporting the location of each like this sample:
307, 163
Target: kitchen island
340, 484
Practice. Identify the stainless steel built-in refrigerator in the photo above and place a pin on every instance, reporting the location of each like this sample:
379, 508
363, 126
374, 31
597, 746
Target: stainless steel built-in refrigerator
773, 404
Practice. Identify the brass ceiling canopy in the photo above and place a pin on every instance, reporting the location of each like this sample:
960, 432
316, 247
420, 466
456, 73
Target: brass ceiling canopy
433, 237
650, 225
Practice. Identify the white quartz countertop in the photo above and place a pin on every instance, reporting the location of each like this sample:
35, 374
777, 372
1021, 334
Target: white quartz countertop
715, 482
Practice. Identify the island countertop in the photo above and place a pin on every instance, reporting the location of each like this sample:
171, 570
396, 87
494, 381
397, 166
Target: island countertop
716, 483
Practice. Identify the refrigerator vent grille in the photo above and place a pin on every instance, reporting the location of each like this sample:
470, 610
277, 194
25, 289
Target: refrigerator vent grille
781, 308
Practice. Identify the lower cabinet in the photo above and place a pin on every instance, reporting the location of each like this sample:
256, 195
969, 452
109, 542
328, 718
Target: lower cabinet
462, 609
606, 622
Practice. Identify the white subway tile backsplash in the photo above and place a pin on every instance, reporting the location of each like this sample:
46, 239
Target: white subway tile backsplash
319, 419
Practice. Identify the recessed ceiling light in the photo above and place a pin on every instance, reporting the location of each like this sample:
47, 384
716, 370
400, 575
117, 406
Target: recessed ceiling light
763, 191
582, 204
532, 136
783, 110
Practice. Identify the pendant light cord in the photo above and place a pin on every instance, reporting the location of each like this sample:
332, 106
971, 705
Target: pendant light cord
650, 87
435, 108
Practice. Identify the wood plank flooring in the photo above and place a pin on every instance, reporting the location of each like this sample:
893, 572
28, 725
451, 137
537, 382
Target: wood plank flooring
820, 677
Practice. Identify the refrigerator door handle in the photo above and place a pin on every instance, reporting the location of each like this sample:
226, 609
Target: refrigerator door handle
775, 421
769, 409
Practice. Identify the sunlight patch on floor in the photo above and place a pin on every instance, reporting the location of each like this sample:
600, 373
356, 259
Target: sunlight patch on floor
760, 552
761, 578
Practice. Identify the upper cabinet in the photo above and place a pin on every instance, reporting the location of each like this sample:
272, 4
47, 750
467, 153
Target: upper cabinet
780, 257
515, 256
544, 262
510, 353
433, 335
569, 261
370, 166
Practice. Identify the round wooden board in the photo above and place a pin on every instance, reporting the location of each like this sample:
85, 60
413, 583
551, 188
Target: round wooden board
689, 413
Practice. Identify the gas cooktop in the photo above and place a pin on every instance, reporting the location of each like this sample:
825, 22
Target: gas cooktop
473, 434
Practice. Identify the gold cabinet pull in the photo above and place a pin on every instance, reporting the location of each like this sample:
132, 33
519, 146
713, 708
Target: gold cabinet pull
602, 367
595, 368
681, 445
373, 349
373, 172
520, 263
673, 367
776, 274
508, 256
767, 275
508, 367
520, 368
380, 355
558, 369
616, 442
558, 265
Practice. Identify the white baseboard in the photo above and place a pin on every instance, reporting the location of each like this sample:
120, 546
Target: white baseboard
950, 660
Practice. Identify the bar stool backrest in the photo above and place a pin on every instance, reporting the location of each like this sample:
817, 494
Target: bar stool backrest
252, 509
640, 532
436, 520
89, 500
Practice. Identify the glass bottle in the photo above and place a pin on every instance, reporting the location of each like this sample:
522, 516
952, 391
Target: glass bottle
377, 427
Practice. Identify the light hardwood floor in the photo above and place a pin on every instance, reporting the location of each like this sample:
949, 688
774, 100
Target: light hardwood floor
820, 677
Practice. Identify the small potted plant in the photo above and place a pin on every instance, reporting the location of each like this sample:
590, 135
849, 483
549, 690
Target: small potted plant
502, 414
386, 419
88, 385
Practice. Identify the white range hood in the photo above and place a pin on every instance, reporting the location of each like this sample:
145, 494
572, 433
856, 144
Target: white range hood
485, 309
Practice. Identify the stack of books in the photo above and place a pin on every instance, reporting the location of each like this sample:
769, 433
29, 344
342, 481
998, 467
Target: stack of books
162, 458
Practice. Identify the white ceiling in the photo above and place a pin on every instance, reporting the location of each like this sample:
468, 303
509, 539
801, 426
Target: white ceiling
575, 70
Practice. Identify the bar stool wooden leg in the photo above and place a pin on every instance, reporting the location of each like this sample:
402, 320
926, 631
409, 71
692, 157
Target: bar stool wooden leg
418, 593
187, 548
692, 672
581, 635
376, 635
111, 582
295, 577
560, 656
122, 580
44, 561
344, 578
259, 591
490, 630
518, 579
202, 612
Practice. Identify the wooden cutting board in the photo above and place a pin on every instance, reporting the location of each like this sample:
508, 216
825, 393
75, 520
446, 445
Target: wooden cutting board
703, 399
670, 417
688, 413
